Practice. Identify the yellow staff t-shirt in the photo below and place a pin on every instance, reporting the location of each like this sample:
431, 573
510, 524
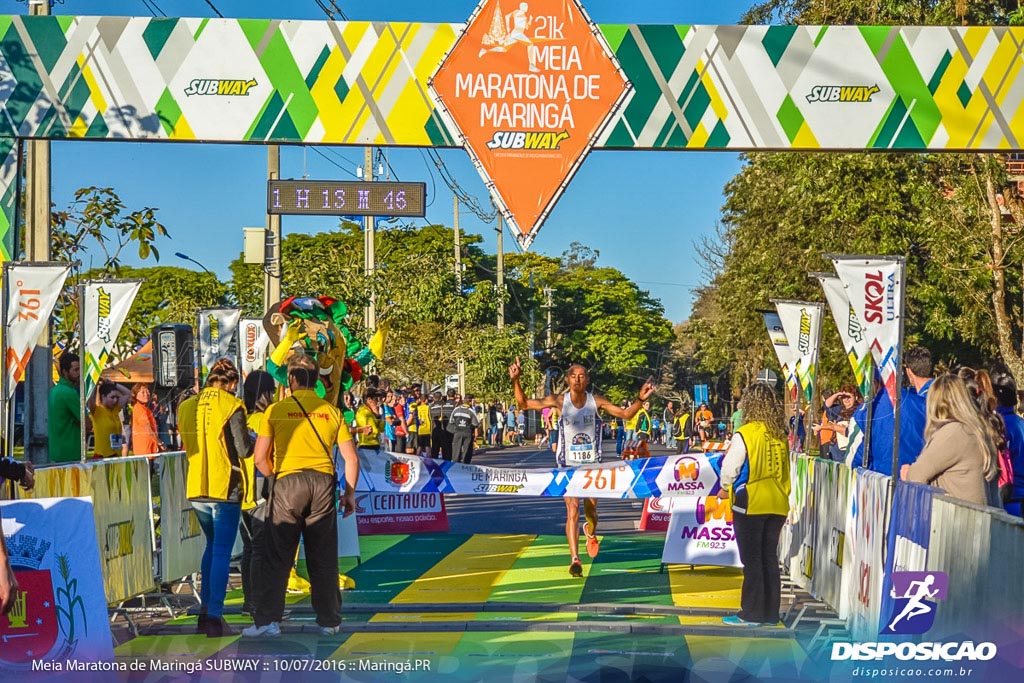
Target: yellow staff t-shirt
299, 441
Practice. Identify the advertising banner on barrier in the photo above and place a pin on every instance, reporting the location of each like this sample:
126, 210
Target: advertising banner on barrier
695, 474
908, 539
875, 287
850, 331
217, 327
253, 345
181, 539
801, 521
106, 306
60, 613
861, 597
831, 489
802, 322
656, 514
31, 291
780, 343
381, 512
124, 525
701, 532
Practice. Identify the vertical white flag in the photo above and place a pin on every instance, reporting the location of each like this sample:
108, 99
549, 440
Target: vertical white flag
105, 309
802, 322
875, 287
850, 330
253, 342
32, 291
217, 328
782, 349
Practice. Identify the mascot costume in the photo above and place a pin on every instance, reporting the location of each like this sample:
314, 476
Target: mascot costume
316, 326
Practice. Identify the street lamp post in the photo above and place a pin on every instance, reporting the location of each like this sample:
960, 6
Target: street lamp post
186, 257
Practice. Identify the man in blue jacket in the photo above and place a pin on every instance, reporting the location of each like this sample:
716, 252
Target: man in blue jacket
1006, 396
913, 412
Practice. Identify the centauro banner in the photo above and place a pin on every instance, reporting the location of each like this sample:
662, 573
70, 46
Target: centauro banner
253, 344
875, 287
31, 293
850, 331
695, 474
217, 327
802, 322
105, 306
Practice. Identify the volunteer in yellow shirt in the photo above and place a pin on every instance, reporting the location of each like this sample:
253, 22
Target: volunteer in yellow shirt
755, 477
295, 444
105, 406
369, 423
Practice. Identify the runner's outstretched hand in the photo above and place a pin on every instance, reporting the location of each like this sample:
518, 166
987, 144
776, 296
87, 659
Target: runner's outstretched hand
646, 390
515, 370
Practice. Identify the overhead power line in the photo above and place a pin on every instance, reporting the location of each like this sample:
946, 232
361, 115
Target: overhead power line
216, 11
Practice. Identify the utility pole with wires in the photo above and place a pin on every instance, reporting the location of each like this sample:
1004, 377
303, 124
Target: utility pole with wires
461, 371
369, 247
272, 268
501, 273
37, 247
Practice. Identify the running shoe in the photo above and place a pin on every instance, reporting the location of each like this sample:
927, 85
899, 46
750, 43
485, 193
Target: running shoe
734, 620
592, 543
576, 569
329, 630
271, 630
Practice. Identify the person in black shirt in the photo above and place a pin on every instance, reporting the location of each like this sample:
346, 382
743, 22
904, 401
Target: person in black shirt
462, 431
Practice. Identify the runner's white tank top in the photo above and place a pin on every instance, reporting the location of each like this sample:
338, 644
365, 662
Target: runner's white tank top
579, 433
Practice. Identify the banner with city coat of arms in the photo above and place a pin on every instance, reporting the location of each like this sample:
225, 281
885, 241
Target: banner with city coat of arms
61, 611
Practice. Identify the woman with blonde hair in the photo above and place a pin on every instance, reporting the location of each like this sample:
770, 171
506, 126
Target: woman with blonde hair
755, 478
959, 454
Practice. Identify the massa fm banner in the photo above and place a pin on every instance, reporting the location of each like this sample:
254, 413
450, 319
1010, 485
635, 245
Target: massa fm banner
522, 83
696, 474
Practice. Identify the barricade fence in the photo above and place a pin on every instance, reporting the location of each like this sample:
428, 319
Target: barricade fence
844, 527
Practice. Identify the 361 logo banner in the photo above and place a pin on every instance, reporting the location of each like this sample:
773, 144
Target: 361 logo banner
31, 293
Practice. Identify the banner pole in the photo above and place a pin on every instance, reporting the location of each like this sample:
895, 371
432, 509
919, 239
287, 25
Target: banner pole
6, 412
815, 391
899, 376
866, 464
83, 370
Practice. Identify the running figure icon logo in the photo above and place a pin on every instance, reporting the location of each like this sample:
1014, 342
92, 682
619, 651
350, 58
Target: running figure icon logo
916, 594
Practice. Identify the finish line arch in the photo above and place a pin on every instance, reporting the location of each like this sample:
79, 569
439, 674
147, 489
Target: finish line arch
736, 88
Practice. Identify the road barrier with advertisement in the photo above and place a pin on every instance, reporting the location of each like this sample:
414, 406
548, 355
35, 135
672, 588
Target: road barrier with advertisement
181, 539
701, 532
862, 566
831, 483
909, 536
982, 553
380, 512
656, 514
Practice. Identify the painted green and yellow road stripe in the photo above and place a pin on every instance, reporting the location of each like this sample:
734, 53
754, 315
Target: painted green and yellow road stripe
709, 587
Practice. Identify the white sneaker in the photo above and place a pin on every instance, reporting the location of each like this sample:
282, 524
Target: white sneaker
271, 630
329, 630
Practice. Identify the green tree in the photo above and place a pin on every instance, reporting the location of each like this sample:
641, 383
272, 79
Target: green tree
92, 234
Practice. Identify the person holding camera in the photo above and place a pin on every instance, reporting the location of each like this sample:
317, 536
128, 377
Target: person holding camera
833, 432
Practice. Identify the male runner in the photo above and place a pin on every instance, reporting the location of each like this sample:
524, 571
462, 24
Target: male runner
579, 443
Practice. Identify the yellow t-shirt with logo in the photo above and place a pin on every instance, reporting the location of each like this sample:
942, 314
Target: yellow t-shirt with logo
106, 422
366, 418
423, 412
296, 444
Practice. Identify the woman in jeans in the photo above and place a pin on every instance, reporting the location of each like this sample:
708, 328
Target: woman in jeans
755, 478
216, 485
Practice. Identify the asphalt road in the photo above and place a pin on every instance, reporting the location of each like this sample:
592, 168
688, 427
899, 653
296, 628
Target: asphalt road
516, 515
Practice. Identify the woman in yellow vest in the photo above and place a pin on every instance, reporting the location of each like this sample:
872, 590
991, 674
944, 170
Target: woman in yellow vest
216, 486
755, 478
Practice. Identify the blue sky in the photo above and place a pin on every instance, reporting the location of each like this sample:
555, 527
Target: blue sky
642, 211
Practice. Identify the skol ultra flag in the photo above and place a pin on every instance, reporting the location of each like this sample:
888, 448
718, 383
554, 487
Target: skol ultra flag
802, 322
875, 287
217, 328
850, 330
782, 349
106, 305
31, 293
